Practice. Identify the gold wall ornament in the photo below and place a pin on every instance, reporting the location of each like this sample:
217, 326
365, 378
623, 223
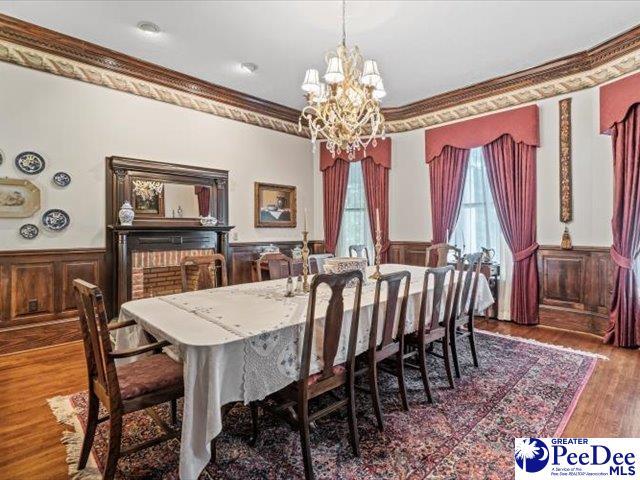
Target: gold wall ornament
566, 243
566, 194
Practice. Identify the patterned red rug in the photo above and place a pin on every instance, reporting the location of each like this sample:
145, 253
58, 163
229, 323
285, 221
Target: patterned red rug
521, 389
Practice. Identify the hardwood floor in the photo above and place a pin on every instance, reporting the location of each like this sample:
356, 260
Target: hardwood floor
30, 445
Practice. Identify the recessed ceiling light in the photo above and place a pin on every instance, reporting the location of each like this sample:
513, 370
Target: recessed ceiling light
148, 27
248, 67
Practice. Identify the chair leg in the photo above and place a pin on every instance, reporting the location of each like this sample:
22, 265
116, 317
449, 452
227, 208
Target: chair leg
422, 360
115, 437
303, 424
92, 423
447, 360
255, 417
401, 382
472, 343
454, 351
375, 394
351, 417
214, 450
174, 412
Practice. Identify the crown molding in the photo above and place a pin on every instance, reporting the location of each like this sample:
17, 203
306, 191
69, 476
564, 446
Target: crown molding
32, 46
604, 62
36, 47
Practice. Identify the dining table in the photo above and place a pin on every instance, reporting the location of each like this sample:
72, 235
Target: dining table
242, 343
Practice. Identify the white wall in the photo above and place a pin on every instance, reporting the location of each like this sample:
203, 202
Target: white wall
410, 204
75, 125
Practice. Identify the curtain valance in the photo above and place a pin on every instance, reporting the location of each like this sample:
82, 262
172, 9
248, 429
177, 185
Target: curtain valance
616, 99
520, 123
380, 154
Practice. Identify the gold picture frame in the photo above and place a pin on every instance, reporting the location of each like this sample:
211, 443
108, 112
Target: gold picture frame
18, 198
275, 206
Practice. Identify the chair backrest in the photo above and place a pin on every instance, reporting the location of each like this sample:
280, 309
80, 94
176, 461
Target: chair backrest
97, 343
332, 322
360, 251
316, 262
468, 274
442, 297
279, 266
437, 254
393, 282
206, 267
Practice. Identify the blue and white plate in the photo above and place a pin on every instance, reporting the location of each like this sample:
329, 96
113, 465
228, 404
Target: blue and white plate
62, 179
1, 157
29, 231
30, 163
55, 219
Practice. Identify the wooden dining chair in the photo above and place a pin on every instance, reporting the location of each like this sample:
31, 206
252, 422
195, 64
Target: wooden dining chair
392, 341
279, 266
141, 384
360, 251
206, 267
297, 396
437, 255
434, 327
462, 325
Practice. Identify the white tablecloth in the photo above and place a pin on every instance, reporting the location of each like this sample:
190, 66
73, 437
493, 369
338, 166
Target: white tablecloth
241, 343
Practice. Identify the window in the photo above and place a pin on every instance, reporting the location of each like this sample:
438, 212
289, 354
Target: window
355, 229
478, 224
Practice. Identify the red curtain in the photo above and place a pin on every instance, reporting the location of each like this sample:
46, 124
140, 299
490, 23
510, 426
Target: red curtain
447, 173
511, 169
204, 196
624, 327
334, 186
376, 186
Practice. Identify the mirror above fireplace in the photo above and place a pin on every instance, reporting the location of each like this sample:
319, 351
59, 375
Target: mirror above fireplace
164, 193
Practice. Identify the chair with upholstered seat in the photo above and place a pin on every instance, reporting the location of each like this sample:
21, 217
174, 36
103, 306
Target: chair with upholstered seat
297, 396
280, 266
206, 269
359, 251
462, 324
391, 343
436, 326
437, 255
141, 384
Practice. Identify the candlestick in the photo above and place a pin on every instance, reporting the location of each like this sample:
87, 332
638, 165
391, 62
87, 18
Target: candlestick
377, 221
305, 220
375, 275
305, 261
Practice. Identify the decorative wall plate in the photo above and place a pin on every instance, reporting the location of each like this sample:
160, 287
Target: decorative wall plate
18, 198
29, 231
30, 163
62, 179
55, 219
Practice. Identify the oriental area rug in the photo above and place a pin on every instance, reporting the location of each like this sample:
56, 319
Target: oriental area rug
522, 388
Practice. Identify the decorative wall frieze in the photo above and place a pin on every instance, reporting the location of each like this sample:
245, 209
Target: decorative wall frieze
32, 46
529, 94
566, 195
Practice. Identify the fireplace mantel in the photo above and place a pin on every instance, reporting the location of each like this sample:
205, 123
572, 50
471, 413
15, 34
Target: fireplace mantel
126, 240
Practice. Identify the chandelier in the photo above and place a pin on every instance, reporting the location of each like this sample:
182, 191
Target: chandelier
345, 108
147, 189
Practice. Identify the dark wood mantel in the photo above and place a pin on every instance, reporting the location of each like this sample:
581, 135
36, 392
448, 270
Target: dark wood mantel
128, 239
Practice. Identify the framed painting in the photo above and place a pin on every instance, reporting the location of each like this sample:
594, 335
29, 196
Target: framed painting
275, 205
147, 197
18, 198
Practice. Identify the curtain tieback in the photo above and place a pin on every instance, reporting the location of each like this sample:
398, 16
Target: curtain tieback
620, 260
526, 253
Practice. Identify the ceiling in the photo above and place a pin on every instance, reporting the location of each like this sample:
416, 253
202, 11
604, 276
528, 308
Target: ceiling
422, 48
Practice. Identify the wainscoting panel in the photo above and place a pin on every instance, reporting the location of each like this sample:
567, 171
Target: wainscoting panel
37, 305
408, 253
575, 288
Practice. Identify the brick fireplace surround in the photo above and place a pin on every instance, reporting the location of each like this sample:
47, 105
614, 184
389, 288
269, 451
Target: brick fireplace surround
155, 273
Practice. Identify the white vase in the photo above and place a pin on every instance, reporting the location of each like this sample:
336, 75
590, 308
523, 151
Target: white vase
126, 214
